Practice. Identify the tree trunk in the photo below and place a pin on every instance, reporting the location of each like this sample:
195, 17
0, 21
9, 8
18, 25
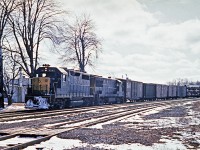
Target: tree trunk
1, 79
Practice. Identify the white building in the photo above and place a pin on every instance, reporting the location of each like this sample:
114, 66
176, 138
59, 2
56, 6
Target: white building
20, 91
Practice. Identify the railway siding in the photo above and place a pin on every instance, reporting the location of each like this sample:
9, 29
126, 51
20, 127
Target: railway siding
47, 133
105, 117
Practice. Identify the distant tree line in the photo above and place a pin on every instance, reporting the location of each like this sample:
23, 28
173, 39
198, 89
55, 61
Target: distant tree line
183, 82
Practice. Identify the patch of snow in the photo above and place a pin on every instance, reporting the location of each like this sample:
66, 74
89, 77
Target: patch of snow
123, 147
14, 107
16, 140
93, 111
99, 126
135, 118
169, 144
129, 118
56, 143
40, 103
189, 103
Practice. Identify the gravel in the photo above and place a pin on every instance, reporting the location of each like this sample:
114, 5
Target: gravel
86, 148
177, 111
129, 132
117, 134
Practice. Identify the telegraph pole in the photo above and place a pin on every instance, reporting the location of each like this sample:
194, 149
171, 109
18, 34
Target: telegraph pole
1, 79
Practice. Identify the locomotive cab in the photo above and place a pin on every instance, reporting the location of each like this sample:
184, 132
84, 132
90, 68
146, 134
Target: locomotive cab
43, 87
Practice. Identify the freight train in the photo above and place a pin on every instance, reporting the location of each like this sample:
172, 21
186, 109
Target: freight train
57, 88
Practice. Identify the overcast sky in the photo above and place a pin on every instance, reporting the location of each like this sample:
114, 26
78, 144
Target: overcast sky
149, 40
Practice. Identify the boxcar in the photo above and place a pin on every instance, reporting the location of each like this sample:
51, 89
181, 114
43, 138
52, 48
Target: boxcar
133, 90
137, 90
181, 91
149, 91
161, 91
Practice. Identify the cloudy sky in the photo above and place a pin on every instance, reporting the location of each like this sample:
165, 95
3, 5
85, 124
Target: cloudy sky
149, 40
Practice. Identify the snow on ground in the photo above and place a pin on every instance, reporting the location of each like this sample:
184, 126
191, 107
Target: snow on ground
56, 143
179, 128
13, 107
16, 140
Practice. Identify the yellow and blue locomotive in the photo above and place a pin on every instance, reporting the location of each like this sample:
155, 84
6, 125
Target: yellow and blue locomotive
55, 87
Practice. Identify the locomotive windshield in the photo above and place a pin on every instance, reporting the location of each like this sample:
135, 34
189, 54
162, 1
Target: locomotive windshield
56, 75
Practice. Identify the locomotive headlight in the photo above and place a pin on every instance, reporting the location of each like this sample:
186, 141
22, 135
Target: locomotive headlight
44, 75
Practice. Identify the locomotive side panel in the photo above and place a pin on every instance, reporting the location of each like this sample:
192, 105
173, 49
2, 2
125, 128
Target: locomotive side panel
112, 91
106, 90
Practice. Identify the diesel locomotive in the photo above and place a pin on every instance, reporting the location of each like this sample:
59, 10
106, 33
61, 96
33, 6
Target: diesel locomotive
60, 87
55, 87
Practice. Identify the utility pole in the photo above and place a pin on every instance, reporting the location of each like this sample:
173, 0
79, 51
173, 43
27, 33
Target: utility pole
1, 79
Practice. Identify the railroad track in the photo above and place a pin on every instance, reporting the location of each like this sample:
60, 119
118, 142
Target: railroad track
31, 112
81, 123
24, 116
72, 116
101, 119
12, 116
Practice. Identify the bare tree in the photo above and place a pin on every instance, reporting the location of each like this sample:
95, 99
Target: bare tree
82, 44
33, 22
11, 71
180, 81
6, 7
